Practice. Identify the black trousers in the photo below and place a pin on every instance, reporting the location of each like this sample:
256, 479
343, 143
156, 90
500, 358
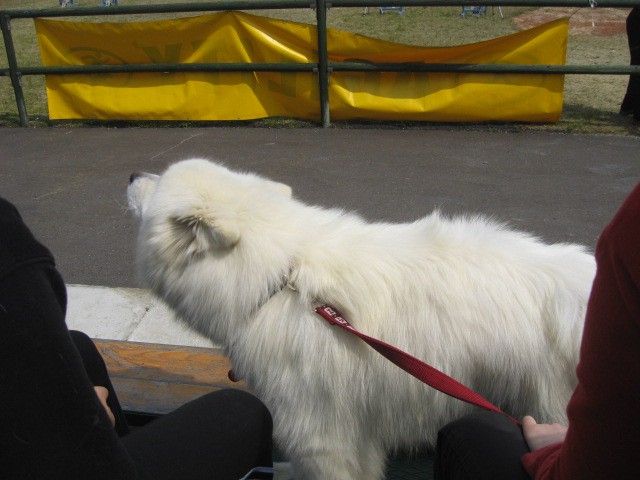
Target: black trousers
53, 425
631, 101
480, 446
227, 432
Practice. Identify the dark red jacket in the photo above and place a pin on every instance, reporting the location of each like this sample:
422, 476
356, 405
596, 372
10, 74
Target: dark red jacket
603, 440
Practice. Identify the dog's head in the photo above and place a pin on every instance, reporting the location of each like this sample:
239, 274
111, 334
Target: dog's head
200, 202
206, 229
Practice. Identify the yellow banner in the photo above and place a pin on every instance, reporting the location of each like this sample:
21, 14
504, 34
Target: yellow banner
240, 37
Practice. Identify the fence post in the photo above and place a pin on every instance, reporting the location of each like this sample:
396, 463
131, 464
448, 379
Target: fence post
323, 61
16, 78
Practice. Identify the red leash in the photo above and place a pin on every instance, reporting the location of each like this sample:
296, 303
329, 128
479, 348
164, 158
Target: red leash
423, 372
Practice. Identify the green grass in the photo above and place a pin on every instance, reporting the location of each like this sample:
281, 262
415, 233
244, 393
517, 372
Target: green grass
591, 101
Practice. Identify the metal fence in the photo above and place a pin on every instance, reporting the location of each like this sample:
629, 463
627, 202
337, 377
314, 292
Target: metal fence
322, 67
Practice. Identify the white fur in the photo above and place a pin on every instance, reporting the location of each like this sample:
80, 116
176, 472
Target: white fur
496, 309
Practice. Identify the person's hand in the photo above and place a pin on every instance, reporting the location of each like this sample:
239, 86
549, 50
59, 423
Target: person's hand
539, 435
103, 393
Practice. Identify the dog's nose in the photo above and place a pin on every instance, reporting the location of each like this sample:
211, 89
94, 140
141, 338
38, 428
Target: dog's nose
135, 175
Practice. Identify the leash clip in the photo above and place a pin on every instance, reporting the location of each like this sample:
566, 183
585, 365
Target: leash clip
331, 315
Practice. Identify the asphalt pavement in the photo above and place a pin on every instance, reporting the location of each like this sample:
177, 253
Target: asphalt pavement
70, 183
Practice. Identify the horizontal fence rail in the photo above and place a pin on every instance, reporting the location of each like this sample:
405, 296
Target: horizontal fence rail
323, 67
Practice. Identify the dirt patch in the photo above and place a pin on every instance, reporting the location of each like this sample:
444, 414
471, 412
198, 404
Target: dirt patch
597, 21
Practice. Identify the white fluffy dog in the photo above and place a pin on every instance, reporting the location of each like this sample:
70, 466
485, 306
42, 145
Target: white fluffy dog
244, 263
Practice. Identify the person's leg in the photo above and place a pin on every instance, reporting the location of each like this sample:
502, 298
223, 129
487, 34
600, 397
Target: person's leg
480, 446
99, 376
631, 101
221, 435
52, 421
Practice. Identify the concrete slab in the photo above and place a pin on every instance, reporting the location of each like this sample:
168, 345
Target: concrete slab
105, 312
160, 326
126, 314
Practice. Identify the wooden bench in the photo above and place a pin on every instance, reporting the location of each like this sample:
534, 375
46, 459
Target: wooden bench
153, 380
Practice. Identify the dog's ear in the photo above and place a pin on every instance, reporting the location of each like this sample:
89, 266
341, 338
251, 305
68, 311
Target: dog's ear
281, 188
211, 233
